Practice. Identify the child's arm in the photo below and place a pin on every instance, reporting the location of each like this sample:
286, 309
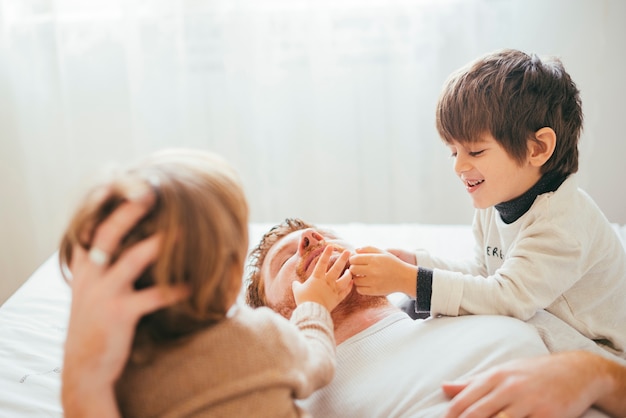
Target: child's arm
315, 345
378, 272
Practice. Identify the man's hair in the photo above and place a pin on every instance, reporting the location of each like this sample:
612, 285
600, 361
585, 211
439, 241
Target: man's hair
255, 290
511, 95
200, 213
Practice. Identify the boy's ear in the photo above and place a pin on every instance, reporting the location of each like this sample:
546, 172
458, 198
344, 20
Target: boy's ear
541, 147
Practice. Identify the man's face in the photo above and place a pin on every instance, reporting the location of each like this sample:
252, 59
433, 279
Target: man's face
293, 258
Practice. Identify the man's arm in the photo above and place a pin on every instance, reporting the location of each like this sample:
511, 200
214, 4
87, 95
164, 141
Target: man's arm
613, 401
564, 385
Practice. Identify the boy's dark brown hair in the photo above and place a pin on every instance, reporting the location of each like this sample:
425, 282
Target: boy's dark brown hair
511, 95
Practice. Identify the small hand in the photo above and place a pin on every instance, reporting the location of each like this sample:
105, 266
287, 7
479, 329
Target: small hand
404, 255
377, 272
325, 286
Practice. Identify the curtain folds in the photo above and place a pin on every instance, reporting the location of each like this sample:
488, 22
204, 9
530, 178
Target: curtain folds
325, 107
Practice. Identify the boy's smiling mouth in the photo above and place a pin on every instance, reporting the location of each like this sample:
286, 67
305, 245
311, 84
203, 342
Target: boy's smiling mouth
471, 185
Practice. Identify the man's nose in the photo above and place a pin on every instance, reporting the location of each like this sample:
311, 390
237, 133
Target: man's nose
309, 238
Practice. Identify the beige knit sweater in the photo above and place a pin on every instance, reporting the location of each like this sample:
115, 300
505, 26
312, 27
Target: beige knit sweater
252, 364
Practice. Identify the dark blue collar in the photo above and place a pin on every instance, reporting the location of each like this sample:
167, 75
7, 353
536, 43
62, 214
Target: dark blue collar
512, 210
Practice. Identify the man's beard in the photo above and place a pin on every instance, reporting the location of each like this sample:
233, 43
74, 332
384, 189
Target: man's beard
352, 303
355, 302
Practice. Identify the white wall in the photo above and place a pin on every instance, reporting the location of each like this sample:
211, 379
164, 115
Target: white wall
326, 108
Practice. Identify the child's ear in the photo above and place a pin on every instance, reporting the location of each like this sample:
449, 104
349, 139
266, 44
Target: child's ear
541, 147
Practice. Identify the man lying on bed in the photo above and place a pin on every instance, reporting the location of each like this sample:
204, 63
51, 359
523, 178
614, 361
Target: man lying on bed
102, 332
389, 365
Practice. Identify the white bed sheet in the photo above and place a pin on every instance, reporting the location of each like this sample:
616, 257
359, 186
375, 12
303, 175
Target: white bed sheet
33, 321
33, 324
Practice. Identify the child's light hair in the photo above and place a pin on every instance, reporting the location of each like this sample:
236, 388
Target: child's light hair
201, 214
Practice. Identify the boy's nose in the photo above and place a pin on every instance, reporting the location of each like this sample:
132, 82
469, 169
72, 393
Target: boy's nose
309, 238
461, 164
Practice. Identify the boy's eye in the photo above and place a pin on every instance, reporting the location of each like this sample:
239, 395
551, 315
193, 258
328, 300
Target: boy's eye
453, 155
476, 153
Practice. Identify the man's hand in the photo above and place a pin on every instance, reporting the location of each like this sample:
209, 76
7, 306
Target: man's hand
560, 385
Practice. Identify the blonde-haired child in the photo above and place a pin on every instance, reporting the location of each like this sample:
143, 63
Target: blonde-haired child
207, 355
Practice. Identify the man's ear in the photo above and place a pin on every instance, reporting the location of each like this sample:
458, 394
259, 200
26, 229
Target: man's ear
541, 147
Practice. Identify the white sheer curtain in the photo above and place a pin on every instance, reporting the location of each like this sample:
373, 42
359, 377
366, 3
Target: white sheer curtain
326, 107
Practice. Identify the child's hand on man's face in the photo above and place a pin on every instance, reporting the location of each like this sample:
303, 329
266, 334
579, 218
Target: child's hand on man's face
326, 286
378, 273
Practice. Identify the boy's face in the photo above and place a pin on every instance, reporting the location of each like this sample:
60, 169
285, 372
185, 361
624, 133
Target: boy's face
489, 173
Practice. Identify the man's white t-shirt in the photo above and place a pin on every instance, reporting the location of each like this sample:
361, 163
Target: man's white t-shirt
395, 368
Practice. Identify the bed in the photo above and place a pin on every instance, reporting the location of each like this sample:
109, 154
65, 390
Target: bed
33, 320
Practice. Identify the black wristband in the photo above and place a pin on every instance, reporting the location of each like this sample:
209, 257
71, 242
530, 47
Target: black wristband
424, 289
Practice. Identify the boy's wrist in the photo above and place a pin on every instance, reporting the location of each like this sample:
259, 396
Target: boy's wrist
410, 281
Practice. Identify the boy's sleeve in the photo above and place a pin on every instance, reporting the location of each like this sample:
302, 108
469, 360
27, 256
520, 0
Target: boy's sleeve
424, 289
